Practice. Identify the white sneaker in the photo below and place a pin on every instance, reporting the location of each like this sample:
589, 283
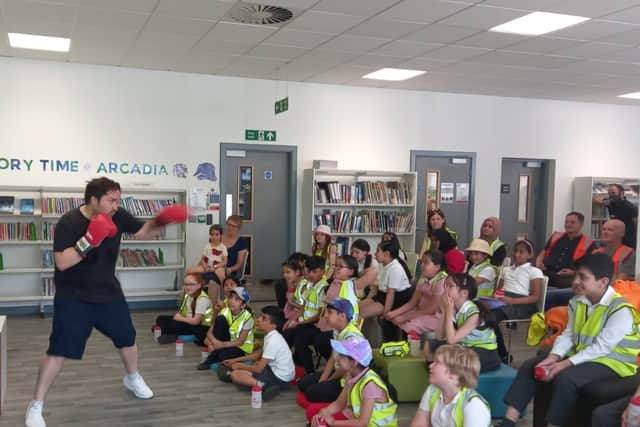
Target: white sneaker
138, 387
34, 418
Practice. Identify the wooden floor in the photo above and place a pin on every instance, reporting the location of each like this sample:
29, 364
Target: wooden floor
89, 393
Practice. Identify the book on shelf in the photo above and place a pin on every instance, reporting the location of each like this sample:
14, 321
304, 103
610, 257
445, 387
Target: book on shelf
27, 206
144, 207
138, 258
7, 204
47, 258
48, 229
364, 192
48, 287
18, 231
365, 221
59, 205
342, 245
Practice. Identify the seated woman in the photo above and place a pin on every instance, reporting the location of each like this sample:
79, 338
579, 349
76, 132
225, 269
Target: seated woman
453, 258
490, 231
435, 221
237, 248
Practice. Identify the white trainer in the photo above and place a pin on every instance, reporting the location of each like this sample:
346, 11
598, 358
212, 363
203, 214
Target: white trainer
138, 387
34, 418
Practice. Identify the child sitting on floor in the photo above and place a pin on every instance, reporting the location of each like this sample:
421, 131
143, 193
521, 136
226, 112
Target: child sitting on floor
272, 368
450, 399
293, 273
227, 286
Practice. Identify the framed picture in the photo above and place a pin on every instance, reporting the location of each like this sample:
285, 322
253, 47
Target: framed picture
432, 184
248, 269
245, 192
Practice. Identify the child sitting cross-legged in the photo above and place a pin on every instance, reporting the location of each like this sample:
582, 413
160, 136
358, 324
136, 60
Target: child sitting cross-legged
450, 399
365, 399
600, 342
272, 368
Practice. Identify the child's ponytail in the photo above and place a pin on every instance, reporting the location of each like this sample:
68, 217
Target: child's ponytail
394, 250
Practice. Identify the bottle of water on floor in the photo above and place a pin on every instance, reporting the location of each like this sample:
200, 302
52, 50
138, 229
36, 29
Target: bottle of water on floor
179, 348
414, 343
156, 333
633, 412
204, 354
256, 397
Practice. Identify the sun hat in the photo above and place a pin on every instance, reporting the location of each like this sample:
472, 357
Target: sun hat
357, 348
478, 245
324, 229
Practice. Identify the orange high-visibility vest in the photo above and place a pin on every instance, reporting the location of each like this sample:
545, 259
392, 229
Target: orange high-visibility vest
580, 250
619, 256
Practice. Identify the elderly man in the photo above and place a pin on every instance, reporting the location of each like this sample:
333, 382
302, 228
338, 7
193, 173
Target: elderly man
563, 249
624, 257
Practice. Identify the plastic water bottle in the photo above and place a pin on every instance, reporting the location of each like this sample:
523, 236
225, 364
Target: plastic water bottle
156, 333
633, 412
204, 353
179, 348
414, 344
256, 397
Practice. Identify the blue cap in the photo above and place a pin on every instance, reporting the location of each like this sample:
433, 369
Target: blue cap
343, 306
357, 348
206, 171
242, 292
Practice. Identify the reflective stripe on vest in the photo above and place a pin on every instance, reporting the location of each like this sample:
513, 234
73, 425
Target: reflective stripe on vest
383, 414
481, 338
485, 289
313, 299
581, 249
494, 246
236, 325
437, 278
619, 256
348, 292
427, 238
464, 396
623, 359
207, 317
301, 290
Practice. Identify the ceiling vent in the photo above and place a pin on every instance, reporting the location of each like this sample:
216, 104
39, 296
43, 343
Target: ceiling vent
260, 14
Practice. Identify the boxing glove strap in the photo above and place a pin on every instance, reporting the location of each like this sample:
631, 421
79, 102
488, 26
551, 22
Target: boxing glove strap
83, 247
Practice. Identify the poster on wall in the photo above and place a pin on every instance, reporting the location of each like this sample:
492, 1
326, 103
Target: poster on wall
198, 198
446, 192
462, 192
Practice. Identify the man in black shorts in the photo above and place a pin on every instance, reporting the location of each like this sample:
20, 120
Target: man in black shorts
88, 295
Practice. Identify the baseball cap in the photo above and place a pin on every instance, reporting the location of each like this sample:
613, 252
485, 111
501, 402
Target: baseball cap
242, 292
324, 229
357, 348
343, 306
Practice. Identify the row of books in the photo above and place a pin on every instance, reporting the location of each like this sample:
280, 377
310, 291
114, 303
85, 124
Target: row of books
367, 221
48, 287
18, 231
59, 205
7, 205
140, 258
366, 192
48, 230
144, 207
47, 258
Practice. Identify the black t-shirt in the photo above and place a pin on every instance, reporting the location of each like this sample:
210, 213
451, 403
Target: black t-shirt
561, 255
93, 279
626, 212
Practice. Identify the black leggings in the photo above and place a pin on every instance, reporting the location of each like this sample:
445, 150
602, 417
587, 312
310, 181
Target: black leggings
315, 391
301, 337
173, 327
221, 333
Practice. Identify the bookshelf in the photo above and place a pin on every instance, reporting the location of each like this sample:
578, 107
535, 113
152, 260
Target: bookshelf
148, 270
585, 189
359, 204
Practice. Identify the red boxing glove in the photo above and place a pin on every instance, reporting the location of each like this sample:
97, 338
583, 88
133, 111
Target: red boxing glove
100, 227
171, 214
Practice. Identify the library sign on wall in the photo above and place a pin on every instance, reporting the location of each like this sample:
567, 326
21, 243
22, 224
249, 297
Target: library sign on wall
12, 164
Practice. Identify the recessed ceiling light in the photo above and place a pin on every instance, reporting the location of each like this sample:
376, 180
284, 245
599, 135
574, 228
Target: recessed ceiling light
393, 74
538, 23
632, 95
32, 41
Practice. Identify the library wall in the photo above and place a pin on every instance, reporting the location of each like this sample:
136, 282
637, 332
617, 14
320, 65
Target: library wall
51, 110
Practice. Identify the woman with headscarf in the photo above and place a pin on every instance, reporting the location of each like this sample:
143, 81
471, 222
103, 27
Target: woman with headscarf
453, 258
490, 231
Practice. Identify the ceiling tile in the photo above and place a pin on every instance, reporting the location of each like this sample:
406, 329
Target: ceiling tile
196, 9
593, 30
296, 4
482, 17
548, 61
28, 10
298, 70
307, 39
168, 41
354, 7
111, 18
353, 43
456, 53
631, 16
38, 26
590, 8
437, 33
156, 58
324, 22
386, 29
203, 62
502, 57
426, 11
603, 67
223, 46
340, 74
37, 54
406, 49
626, 55
469, 68
491, 40
376, 61
589, 50
261, 65
243, 33
628, 38
544, 44
327, 57
87, 36
285, 53
144, 6
422, 63
528, 5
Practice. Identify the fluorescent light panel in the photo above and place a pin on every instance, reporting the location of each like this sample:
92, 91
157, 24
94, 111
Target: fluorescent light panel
35, 42
538, 23
393, 74
632, 95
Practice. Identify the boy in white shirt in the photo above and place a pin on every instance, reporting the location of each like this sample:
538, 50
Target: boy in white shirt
272, 367
450, 399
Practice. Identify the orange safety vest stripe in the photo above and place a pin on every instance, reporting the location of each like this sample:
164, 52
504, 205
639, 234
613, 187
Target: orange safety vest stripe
619, 256
581, 248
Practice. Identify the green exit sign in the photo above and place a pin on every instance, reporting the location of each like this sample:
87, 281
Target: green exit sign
282, 105
260, 135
